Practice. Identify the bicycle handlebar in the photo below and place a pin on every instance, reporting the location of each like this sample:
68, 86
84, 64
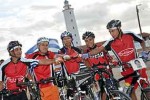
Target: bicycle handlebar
42, 81
98, 70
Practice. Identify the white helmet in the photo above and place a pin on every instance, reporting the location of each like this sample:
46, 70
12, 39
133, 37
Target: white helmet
42, 39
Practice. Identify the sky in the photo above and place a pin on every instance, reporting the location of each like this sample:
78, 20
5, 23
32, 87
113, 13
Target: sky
27, 20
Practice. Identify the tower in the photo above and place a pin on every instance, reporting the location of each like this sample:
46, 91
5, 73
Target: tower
71, 24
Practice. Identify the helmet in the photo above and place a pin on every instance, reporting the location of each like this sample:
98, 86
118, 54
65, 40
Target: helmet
65, 33
113, 24
13, 44
88, 34
42, 39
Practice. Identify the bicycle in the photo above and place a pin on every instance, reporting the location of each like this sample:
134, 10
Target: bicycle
82, 80
33, 86
145, 92
111, 88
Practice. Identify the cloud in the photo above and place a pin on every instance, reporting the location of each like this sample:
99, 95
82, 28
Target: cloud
2, 39
114, 2
92, 16
42, 7
27, 20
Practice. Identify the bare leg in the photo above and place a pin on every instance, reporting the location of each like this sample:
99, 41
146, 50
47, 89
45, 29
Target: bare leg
133, 95
103, 96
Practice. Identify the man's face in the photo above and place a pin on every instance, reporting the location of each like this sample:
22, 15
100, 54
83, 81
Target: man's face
89, 42
114, 33
17, 52
43, 47
138, 63
67, 40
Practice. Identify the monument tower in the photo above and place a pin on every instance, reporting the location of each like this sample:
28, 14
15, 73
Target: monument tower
71, 24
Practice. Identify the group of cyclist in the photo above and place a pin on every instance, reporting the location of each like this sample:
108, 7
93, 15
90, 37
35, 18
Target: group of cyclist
38, 65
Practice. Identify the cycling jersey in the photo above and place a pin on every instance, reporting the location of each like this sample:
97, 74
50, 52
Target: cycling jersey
12, 72
42, 71
124, 48
102, 58
72, 65
124, 51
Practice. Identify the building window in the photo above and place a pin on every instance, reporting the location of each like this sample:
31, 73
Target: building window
71, 20
73, 27
70, 12
74, 34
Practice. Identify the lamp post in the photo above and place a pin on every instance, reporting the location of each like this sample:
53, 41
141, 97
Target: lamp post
137, 10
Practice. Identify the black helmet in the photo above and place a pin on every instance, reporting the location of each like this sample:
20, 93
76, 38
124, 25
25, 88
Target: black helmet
113, 24
65, 33
88, 34
12, 45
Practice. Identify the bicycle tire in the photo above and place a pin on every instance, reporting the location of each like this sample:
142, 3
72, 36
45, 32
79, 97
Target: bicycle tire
90, 94
62, 97
119, 95
145, 95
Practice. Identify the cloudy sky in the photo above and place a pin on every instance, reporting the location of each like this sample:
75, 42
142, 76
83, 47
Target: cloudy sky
27, 20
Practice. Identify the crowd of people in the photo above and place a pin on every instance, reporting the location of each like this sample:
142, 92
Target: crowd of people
38, 65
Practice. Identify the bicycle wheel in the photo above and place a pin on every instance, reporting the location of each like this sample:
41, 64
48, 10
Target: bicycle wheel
62, 97
34, 93
119, 95
90, 94
145, 95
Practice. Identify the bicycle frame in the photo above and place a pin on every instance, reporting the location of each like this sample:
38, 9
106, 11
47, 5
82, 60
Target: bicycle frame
112, 88
33, 87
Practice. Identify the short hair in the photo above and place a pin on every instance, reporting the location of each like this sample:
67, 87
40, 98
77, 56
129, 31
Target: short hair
136, 61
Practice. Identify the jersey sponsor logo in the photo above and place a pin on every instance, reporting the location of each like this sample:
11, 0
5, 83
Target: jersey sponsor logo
14, 79
126, 52
97, 55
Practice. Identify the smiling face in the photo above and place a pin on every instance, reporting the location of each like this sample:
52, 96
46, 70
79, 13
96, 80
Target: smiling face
43, 47
89, 42
17, 52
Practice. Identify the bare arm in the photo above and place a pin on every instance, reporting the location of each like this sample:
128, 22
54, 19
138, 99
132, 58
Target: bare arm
55, 61
97, 50
46, 61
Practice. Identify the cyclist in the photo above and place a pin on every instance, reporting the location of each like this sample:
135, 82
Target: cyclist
71, 59
122, 45
16, 69
102, 57
48, 91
